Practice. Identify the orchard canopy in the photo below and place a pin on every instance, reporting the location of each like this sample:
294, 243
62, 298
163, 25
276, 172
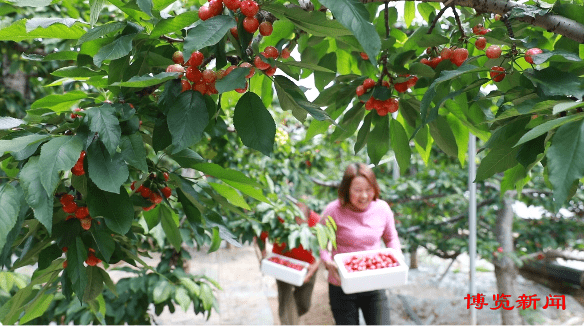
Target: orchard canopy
123, 96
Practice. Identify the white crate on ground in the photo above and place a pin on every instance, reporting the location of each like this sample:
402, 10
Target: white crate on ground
285, 273
369, 280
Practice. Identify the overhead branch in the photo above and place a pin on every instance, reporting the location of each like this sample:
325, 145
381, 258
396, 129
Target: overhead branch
447, 4
550, 22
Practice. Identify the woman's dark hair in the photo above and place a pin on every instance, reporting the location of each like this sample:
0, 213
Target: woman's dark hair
351, 172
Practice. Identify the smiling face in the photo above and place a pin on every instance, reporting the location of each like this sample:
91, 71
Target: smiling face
361, 193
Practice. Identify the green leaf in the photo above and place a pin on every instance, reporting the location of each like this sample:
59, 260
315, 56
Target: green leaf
190, 285
17, 32
9, 209
145, 6
133, 151
225, 174
35, 194
547, 126
62, 55
36, 308
363, 133
103, 121
76, 256
292, 98
215, 240
187, 158
500, 158
95, 7
208, 32
170, 223
9, 123
400, 144
108, 173
235, 79
378, 140
313, 22
354, 16
59, 102
230, 194
248, 190
99, 31
147, 80
566, 159
94, 285
116, 209
557, 55
22, 147
174, 24
254, 124
556, 82
74, 71
181, 296
162, 291
187, 119
59, 154
120, 47
409, 12
108, 282
564, 106
306, 65
443, 136
105, 243
30, 3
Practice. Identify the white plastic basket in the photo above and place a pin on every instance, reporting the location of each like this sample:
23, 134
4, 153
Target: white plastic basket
369, 280
284, 273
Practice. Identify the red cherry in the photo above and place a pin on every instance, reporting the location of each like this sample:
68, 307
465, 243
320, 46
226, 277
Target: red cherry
480, 43
166, 191
364, 56
155, 198
216, 7
185, 85
270, 71
360, 90
234, 32
251, 69
285, 53
194, 74
196, 59
178, 57
493, 52
205, 12
232, 4
531, 52
401, 87
266, 28
82, 212
497, 73
67, 198
175, 68
446, 53
251, 24
146, 192
249, 8
368, 83
459, 56
260, 64
271, 52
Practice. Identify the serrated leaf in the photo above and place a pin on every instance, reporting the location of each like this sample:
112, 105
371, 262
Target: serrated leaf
147, 80
230, 194
134, 152
173, 24
77, 72
36, 308
9, 209
181, 296
378, 140
208, 33
292, 98
22, 147
120, 47
400, 144
443, 136
35, 23
59, 102
116, 209
235, 79
547, 126
501, 157
95, 7
103, 121
35, 194
107, 172
58, 154
254, 124
162, 291
17, 32
31, 3
566, 159
94, 285
555, 82
187, 119
169, 222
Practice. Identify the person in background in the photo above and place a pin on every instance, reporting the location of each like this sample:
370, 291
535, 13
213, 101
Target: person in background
362, 221
294, 301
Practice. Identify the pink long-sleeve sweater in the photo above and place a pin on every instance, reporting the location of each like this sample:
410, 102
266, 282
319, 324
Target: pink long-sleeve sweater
358, 231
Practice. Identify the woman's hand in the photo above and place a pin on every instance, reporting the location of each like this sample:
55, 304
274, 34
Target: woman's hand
333, 270
312, 268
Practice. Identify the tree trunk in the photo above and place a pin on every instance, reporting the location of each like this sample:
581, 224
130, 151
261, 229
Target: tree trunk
414, 257
505, 269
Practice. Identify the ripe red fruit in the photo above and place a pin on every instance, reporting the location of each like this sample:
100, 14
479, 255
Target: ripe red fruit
364, 56
92, 260
497, 73
425, 61
271, 71
368, 83
249, 8
459, 56
500, 249
477, 29
149, 207
185, 85
64, 264
285, 53
175, 68
446, 53
209, 76
70, 207
178, 57
401, 87
232, 4
260, 64
196, 59
251, 24
205, 12
531, 52
216, 7
146, 192
392, 104
271, 52
435, 61
64, 249
81, 212
67, 198
200, 87
263, 236
480, 43
78, 169
243, 90
194, 74
493, 52
166, 191
266, 28
86, 223
155, 198
360, 90
251, 69
412, 81
234, 32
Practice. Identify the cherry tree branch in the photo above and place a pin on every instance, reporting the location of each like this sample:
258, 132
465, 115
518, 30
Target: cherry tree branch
550, 22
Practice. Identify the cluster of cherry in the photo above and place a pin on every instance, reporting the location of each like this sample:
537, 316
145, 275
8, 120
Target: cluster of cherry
152, 189
91, 260
376, 261
79, 212
286, 263
77, 169
390, 105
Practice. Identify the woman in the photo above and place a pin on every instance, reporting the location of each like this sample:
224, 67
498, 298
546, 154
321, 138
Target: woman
362, 221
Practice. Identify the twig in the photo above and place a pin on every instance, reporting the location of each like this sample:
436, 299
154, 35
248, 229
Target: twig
505, 20
386, 14
171, 39
447, 4
457, 18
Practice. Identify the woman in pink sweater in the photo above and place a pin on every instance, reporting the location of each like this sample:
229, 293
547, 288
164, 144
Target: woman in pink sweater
362, 221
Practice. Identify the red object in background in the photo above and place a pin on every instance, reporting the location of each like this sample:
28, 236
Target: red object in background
363, 263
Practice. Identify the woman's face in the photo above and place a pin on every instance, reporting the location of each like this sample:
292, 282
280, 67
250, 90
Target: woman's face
361, 193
